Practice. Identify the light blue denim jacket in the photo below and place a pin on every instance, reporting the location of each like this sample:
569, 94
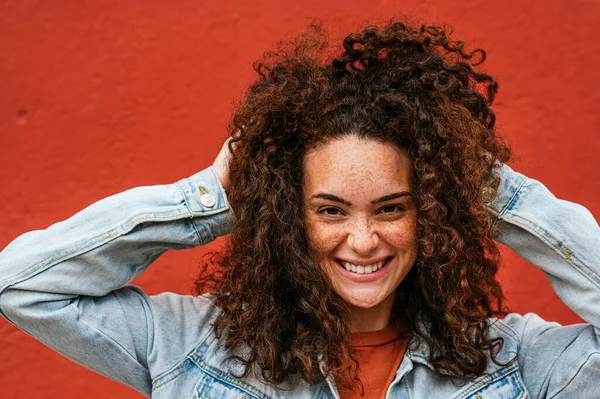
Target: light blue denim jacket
68, 286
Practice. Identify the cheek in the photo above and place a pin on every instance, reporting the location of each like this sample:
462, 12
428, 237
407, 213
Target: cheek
323, 238
403, 234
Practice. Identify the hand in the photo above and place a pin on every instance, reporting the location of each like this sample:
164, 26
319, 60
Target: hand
221, 164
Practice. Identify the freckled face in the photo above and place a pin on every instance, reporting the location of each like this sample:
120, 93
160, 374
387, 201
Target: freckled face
360, 215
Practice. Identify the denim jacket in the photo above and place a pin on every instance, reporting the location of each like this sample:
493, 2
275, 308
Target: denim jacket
68, 286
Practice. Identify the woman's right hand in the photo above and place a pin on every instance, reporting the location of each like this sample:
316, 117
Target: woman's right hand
221, 164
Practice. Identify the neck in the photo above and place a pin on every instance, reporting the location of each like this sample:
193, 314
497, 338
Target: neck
372, 319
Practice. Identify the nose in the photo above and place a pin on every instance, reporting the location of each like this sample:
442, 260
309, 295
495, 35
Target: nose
363, 239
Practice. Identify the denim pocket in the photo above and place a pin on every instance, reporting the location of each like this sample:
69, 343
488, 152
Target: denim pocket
509, 386
225, 387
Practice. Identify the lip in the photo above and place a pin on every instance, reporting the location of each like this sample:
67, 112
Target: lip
365, 278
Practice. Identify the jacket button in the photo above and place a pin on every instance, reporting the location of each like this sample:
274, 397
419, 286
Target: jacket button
488, 194
208, 200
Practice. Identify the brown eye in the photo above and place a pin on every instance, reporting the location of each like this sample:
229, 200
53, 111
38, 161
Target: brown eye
330, 211
391, 209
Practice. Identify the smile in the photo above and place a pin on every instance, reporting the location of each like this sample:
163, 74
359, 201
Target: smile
363, 269
361, 273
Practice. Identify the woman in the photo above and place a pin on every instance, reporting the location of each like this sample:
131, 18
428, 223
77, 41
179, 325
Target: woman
361, 261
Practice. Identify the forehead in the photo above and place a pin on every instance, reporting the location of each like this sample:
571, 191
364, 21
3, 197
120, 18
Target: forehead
351, 165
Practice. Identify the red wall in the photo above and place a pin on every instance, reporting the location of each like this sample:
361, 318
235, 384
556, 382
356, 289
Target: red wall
100, 96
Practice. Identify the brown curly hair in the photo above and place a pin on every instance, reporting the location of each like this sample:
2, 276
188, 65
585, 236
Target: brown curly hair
396, 83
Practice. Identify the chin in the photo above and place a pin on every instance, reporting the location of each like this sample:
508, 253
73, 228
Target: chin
364, 301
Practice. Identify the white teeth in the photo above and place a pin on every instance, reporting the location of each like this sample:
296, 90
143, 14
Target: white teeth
363, 269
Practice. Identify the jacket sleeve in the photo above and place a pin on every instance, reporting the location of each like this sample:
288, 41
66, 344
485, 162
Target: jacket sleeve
562, 239
67, 285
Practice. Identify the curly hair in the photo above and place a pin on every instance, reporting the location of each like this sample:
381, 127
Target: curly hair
395, 83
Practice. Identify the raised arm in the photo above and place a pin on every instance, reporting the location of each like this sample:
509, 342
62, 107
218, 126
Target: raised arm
67, 285
562, 239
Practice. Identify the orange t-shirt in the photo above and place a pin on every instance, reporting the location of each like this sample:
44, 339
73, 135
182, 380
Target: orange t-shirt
379, 354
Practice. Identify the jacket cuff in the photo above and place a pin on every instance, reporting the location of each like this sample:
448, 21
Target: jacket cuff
205, 196
501, 191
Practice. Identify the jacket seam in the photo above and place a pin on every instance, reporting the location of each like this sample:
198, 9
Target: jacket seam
500, 324
110, 340
512, 199
565, 252
115, 345
219, 186
185, 199
595, 353
485, 381
221, 376
148, 316
178, 369
180, 363
87, 245
203, 211
191, 217
546, 380
422, 357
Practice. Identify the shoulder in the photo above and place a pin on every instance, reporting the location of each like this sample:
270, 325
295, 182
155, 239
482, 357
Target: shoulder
187, 351
552, 358
180, 324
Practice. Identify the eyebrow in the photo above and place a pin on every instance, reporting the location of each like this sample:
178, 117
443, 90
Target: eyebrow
385, 198
388, 197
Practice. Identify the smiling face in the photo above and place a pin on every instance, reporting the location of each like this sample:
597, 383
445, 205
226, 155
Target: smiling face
361, 217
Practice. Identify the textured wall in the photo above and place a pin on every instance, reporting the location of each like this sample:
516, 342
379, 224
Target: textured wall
100, 96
